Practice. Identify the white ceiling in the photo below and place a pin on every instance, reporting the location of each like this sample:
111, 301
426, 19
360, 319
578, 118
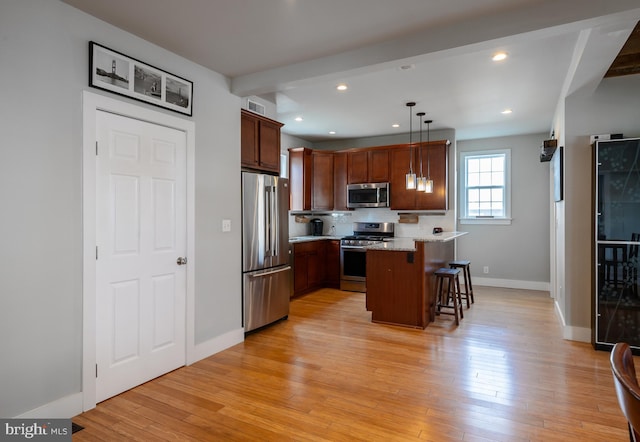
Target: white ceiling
295, 52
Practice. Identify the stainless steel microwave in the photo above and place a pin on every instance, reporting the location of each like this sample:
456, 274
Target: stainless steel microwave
368, 195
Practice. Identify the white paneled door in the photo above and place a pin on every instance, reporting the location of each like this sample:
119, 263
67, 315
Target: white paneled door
141, 246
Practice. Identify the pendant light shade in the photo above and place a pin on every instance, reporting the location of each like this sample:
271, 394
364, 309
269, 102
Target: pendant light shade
428, 187
410, 179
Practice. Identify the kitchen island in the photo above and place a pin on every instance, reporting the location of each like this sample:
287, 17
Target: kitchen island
401, 281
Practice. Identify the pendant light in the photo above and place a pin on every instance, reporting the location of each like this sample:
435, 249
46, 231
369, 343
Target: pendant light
410, 177
428, 182
422, 181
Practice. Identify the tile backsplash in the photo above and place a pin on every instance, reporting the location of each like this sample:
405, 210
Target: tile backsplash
343, 222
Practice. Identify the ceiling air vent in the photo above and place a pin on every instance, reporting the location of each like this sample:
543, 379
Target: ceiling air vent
255, 107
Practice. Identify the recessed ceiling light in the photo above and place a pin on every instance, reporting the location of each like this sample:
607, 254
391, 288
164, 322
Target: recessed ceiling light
299, 119
342, 87
506, 111
395, 125
499, 56
332, 132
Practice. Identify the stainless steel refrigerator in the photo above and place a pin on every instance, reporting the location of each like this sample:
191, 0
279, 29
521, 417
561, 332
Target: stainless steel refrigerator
617, 238
266, 269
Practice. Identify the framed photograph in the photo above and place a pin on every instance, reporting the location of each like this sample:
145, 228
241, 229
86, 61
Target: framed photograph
118, 73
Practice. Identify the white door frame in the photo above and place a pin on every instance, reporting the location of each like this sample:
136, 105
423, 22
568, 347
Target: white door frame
91, 104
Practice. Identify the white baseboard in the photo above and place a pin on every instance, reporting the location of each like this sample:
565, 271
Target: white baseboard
512, 284
216, 345
64, 408
71, 405
580, 334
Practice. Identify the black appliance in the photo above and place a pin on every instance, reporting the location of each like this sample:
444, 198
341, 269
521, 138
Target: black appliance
616, 241
353, 262
316, 226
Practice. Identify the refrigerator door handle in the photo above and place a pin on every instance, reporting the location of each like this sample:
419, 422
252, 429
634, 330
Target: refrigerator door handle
273, 272
275, 238
267, 222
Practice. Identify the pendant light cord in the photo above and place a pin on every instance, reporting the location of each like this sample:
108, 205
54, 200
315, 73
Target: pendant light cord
428, 152
420, 115
410, 105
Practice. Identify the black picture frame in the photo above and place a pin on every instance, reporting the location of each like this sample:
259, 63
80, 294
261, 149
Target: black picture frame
558, 174
120, 74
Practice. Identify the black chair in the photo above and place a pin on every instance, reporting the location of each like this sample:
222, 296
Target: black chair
627, 389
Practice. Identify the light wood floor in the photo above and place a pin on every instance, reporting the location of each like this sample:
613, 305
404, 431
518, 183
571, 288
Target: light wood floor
328, 373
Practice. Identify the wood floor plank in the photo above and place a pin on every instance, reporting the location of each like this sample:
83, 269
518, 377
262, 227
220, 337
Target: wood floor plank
329, 374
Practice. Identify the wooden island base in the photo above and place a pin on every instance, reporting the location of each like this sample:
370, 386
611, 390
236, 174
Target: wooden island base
401, 283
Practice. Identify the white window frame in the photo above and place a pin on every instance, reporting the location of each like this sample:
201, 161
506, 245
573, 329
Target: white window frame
464, 217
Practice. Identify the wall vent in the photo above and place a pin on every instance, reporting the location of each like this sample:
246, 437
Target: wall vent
255, 107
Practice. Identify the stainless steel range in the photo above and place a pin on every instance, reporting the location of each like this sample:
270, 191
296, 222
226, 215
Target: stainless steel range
353, 262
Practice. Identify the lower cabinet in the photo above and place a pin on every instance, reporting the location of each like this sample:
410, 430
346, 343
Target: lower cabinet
333, 263
316, 264
308, 265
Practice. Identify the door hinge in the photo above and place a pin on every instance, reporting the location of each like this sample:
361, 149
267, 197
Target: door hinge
96, 148
96, 253
96, 370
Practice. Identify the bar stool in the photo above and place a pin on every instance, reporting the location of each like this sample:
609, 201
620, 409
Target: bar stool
451, 291
466, 273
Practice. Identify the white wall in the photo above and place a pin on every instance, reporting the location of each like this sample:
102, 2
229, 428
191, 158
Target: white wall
518, 254
44, 69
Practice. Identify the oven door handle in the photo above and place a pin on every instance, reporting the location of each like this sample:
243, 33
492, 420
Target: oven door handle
353, 247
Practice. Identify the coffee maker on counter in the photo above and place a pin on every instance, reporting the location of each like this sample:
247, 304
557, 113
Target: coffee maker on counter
316, 226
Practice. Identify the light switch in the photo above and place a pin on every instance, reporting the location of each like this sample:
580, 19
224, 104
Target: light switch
226, 225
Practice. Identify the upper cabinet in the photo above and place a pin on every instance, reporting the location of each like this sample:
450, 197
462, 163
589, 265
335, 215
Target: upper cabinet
300, 178
340, 181
322, 182
260, 143
435, 162
318, 179
369, 166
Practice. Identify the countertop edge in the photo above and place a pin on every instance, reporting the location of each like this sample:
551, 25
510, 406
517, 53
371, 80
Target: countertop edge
408, 244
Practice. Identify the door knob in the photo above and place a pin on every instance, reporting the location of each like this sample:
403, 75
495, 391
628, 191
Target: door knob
181, 261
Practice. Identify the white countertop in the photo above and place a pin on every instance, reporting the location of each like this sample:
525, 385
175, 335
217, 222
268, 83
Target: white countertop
307, 238
408, 244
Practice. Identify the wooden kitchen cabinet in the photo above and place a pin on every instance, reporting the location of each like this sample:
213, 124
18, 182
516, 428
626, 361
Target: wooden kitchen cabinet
311, 179
394, 288
401, 284
403, 199
439, 166
309, 266
260, 143
300, 178
322, 182
368, 166
340, 181
333, 263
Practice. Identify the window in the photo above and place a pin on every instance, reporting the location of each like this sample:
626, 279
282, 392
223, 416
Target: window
485, 196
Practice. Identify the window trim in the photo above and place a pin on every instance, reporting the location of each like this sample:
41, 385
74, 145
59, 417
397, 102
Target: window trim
464, 218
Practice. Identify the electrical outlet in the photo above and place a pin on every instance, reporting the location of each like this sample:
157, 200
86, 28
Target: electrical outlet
226, 225
485, 269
